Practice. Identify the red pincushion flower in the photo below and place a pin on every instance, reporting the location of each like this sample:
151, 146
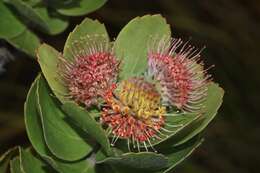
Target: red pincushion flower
92, 71
178, 70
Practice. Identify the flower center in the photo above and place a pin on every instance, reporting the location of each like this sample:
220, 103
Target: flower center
141, 98
134, 111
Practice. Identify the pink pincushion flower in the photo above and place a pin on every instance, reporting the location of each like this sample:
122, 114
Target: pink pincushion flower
92, 71
178, 70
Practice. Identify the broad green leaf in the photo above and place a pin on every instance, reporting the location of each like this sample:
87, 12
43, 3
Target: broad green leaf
82, 166
176, 155
87, 27
16, 33
48, 59
46, 20
10, 26
28, 12
63, 140
78, 7
212, 104
33, 120
141, 160
85, 121
131, 43
26, 41
56, 23
5, 159
15, 166
31, 163
36, 136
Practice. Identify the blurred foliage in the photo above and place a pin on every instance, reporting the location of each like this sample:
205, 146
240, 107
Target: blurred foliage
20, 17
229, 29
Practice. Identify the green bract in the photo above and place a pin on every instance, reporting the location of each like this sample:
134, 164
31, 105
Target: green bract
67, 137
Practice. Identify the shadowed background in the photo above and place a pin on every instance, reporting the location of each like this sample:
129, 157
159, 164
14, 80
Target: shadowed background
230, 29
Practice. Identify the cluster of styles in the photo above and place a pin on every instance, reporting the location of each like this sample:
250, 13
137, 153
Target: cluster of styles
136, 109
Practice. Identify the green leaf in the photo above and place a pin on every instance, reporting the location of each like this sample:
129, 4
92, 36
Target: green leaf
26, 41
177, 154
36, 136
78, 7
63, 140
87, 27
5, 158
85, 121
212, 104
174, 155
28, 12
48, 60
33, 121
46, 20
55, 22
16, 32
82, 166
141, 160
15, 166
10, 26
131, 43
31, 163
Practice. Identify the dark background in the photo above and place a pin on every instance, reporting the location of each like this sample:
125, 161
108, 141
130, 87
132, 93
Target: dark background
230, 29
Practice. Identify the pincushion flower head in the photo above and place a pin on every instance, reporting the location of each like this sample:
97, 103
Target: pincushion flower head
179, 70
138, 103
92, 71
